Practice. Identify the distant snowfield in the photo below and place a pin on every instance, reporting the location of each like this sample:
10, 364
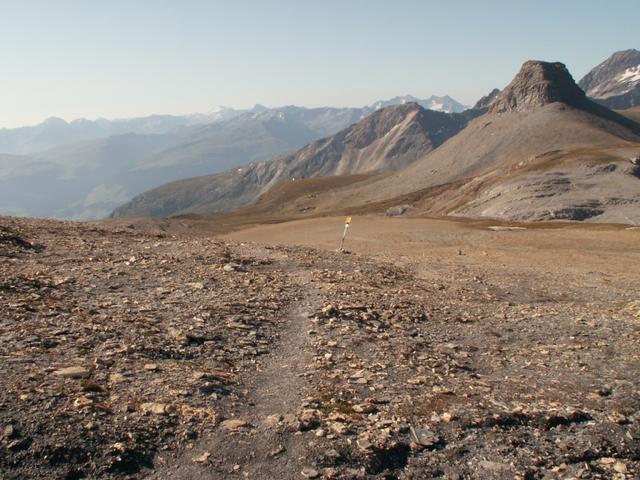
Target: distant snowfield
631, 74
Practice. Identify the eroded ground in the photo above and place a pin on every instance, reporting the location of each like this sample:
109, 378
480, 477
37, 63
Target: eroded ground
432, 350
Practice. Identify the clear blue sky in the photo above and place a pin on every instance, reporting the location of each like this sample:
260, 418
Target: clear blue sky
122, 58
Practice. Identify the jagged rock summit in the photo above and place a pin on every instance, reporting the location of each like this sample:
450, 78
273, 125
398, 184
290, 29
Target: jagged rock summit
536, 85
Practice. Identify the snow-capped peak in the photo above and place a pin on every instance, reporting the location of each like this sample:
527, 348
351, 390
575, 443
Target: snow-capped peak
441, 104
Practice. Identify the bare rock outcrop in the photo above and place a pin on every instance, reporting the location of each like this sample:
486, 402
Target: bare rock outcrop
536, 85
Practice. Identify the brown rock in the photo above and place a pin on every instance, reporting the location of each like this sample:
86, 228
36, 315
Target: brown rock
233, 424
73, 372
155, 408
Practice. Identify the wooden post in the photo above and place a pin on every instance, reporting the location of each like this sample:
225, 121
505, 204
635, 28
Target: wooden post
347, 222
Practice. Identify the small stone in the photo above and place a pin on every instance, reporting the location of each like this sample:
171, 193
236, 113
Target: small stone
447, 417
291, 421
154, 408
497, 469
277, 451
197, 285
364, 408
82, 401
9, 431
73, 372
424, 437
329, 309
228, 268
233, 424
320, 432
273, 420
339, 428
620, 467
116, 378
89, 426
417, 381
332, 453
151, 367
618, 418
204, 458
310, 418
364, 443
309, 472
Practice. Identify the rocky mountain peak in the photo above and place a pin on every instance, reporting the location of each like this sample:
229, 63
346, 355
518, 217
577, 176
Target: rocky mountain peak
615, 83
536, 85
616, 75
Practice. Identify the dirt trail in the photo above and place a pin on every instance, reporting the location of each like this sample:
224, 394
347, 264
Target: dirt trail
259, 445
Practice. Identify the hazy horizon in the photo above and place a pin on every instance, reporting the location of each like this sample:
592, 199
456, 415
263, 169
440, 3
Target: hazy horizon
76, 59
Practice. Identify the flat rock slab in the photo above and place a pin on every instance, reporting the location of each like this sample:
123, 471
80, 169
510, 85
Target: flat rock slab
73, 372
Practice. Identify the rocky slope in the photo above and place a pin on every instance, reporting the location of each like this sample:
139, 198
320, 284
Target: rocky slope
138, 352
388, 139
543, 151
615, 82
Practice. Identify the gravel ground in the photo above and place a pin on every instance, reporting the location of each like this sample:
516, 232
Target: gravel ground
133, 352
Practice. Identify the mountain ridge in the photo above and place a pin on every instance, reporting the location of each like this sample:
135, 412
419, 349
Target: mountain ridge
615, 83
389, 138
531, 157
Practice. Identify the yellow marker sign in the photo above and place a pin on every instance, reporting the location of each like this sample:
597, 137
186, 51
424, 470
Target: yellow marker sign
347, 222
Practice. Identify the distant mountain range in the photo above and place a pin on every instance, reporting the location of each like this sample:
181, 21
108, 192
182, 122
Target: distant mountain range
55, 131
84, 169
540, 149
87, 169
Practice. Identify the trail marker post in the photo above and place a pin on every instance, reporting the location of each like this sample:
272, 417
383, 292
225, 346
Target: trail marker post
347, 222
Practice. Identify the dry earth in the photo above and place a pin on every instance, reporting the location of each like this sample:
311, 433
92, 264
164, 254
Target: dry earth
433, 349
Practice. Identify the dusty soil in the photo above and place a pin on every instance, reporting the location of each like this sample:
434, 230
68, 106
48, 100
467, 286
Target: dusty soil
433, 349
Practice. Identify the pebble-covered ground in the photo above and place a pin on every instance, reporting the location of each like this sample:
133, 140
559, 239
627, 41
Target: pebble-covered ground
139, 354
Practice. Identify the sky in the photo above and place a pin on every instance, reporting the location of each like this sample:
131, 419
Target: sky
125, 58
